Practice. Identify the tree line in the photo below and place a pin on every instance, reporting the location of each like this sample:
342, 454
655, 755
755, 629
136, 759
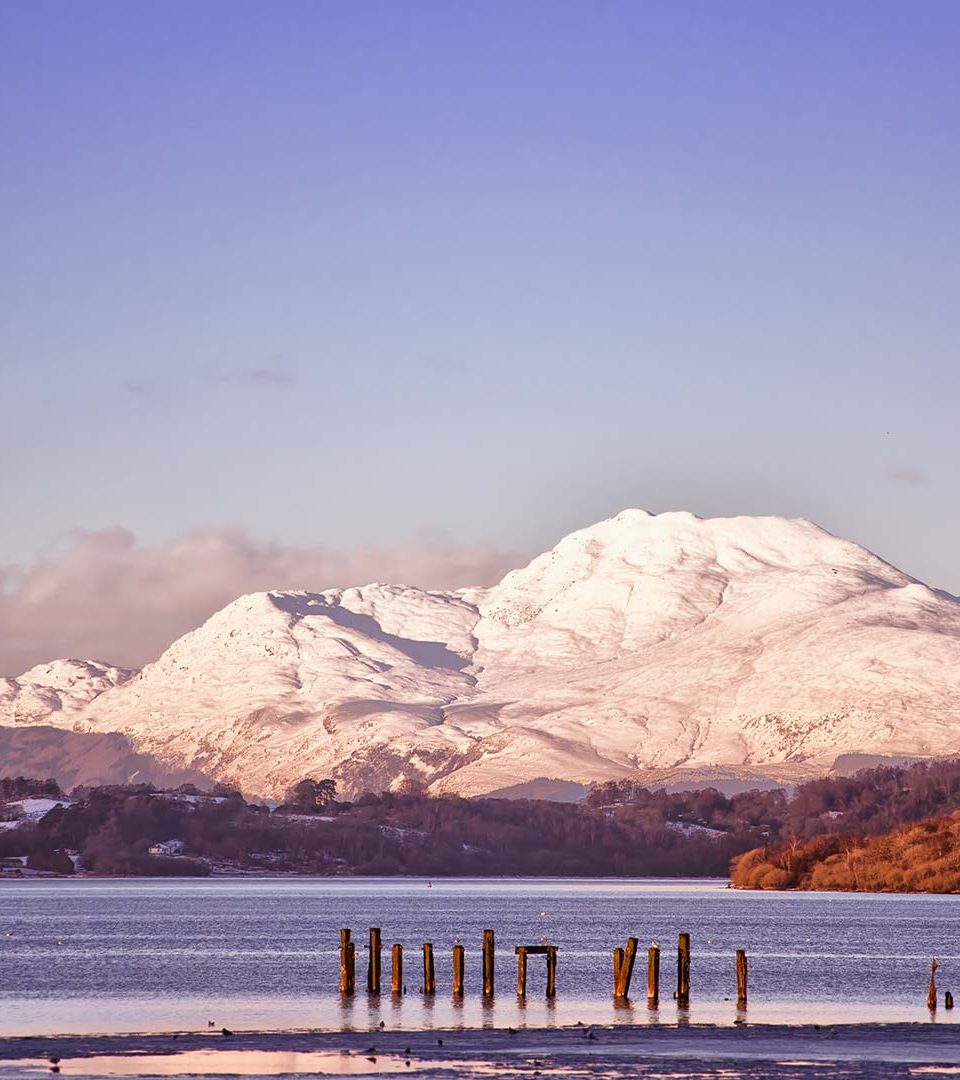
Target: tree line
621, 828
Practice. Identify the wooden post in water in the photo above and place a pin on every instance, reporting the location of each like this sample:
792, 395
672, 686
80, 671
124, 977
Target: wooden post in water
521, 971
617, 961
551, 971
741, 979
683, 970
346, 963
948, 1000
373, 961
653, 976
932, 990
488, 955
458, 966
396, 969
625, 974
352, 967
429, 978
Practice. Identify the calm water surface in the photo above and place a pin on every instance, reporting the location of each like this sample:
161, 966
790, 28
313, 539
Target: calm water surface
147, 955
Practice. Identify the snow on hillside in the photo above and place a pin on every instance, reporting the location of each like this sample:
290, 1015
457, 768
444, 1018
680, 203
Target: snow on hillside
63, 686
642, 642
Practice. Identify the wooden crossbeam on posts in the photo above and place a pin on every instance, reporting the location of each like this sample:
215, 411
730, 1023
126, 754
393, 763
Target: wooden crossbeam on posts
550, 952
625, 971
396, 969
683, 969
347, 963
458, 970
488, 960
373, 961
653, 976
741, 979
429, 978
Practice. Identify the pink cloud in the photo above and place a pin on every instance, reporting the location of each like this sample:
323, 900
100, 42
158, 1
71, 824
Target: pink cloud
106, 597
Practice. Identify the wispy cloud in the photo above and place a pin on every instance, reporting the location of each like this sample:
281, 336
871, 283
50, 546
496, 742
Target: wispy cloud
104, 596
137, 388
905, 475
262, 375
270, 376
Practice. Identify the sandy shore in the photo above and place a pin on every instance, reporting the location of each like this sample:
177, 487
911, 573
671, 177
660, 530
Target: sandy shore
751, 1050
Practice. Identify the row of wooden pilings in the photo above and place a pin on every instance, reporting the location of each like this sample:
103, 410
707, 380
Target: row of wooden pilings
624, 961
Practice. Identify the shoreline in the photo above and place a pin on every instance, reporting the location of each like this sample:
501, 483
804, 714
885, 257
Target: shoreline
914, 1043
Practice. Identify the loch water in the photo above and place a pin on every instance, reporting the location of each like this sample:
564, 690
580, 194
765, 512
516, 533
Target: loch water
110, 956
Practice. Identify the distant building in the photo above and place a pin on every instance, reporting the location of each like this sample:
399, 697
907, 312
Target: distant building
170, 848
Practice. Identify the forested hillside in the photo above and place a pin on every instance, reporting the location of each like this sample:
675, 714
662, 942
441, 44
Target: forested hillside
619, 830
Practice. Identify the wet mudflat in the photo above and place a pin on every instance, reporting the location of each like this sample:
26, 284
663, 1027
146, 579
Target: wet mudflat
664, 1051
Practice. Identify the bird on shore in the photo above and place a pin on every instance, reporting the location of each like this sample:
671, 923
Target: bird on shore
225, 1031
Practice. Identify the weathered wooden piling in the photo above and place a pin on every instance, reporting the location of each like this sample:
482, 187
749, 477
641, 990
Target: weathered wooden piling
617, 961
347, 967
653, 976
948, 1000
373, 961
458, 967
396, 969
625, 971
932, 989
741, 978
489, 945
551, 971
683, 969
429, 977
521, 951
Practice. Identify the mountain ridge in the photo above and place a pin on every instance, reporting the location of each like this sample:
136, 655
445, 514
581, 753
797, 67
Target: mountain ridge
640, 642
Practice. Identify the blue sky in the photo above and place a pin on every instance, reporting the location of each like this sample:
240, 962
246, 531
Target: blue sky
334, 273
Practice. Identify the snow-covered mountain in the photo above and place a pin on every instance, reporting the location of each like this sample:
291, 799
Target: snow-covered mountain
63, 687
642, 642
